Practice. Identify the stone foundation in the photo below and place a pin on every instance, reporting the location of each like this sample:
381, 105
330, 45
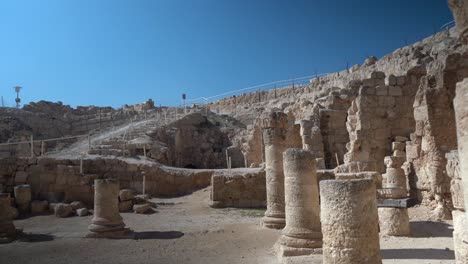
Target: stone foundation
394, 221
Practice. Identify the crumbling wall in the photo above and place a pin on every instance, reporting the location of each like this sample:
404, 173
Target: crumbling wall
382, 111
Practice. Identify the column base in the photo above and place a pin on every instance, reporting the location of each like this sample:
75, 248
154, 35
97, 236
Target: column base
394, 221
291, 255
460, 237
115, 234
273, 223
6, 238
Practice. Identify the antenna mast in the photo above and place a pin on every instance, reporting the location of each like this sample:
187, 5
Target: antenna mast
17, 91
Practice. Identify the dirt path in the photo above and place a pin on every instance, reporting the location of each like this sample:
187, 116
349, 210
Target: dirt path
186, 230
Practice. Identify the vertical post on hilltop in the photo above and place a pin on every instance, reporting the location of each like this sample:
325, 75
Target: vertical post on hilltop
81, 165
42, 148
184, 96
89, 142
144, 150
144, 185
32, 146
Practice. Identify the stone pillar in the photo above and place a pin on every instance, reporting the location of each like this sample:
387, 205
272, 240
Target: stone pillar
394, 221
107, 222
349, 222
302, 234
7, 229
274, 126
23, 198
461, 117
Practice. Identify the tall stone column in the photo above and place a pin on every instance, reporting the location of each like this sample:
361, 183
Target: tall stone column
7, 229
302, 234
349, 222
461, 116
107, 222
274, 126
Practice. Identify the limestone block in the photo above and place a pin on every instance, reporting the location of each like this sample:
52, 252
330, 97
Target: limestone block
21, 177
82, 212
125, 206
38, 207
394, 161
395, 91
401, 80
394, 221
399, 153
126, 194
456, 189
77, 205
460, 237
22, 194
401, 139
63, 210
412, 151
378, 75
141, 208
395, 178
391, 80
381, 90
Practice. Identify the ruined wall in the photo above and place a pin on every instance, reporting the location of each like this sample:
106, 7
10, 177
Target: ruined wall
435, 133
238, 188
382, 111
60, 180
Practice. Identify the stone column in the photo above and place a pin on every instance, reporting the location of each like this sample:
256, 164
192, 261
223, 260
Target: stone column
394, 221
274, 126
302, 234
107, 222
7, 229
460, 13
23, 198
349, 222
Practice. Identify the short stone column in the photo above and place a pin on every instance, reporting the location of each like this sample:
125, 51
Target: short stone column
23, 198
394, 221
302, 234
7, 229
274, 126
107, 222
349, 222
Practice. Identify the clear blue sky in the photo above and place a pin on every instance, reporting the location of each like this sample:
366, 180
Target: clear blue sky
115, 52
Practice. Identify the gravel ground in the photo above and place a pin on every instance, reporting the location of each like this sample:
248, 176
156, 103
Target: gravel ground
186, 230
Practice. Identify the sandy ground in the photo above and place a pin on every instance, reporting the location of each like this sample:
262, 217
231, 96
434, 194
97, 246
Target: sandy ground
186, 230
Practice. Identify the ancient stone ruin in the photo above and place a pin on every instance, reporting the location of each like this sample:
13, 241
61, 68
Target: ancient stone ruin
365, 165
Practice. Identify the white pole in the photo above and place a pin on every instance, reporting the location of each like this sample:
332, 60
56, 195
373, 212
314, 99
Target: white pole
144, 150
230, 164
32, 146
144, 185
337, 160
89, 142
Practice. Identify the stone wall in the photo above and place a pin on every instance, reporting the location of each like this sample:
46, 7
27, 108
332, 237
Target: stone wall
244, 188
61, 180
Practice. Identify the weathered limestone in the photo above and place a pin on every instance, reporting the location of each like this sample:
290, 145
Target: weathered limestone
456, 187
23, 197
349, 222
302, 234
7, 229
38, 207
394, 221
460, 233
460, 13
107, 222
461, 114
274, 126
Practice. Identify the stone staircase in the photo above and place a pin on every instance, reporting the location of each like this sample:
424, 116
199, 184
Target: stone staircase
118, 145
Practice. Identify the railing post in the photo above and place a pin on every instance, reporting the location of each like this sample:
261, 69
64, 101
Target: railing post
144, 150
42, 148
81, 165
32, 146
144, 185
89, 143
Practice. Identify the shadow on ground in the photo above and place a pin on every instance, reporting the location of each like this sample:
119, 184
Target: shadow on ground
418, 253
157, 235
29, 237
430, 229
